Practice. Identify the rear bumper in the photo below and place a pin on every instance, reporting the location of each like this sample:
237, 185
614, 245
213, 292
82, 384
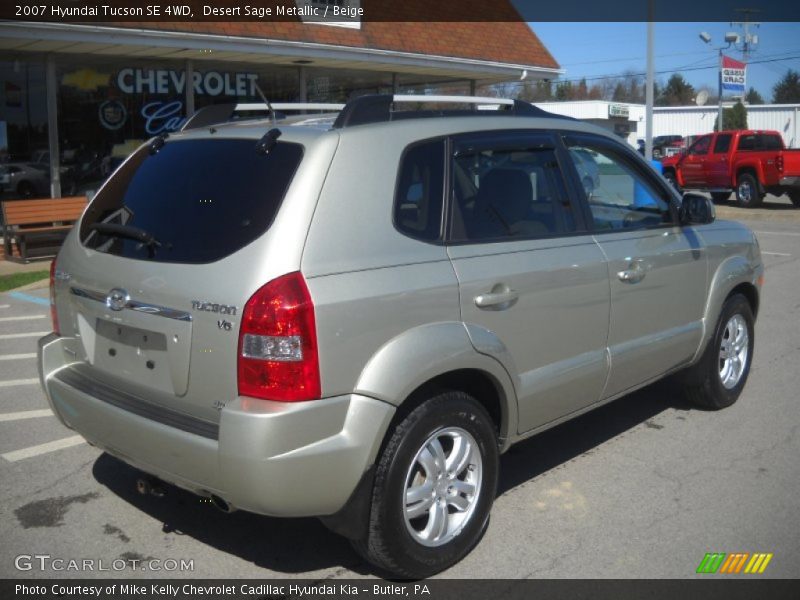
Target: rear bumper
790, 181
272, 458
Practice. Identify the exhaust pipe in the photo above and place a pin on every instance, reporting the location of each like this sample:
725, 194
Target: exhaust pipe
220, 504
150, 486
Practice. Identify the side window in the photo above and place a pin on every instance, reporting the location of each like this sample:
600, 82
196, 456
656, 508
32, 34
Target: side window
619, 194
747, 142
420, 189
509, 193
771, 142
722, 144
701, 145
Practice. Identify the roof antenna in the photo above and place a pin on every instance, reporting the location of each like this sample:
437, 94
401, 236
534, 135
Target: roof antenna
269, 106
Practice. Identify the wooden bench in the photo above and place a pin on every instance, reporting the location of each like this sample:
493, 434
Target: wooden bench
38, 226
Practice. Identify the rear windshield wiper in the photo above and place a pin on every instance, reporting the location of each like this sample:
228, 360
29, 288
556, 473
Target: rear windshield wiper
127, 231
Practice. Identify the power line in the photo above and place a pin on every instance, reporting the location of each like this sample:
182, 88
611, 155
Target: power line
662, 72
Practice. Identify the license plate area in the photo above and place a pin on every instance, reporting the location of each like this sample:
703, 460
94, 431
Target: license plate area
133, 353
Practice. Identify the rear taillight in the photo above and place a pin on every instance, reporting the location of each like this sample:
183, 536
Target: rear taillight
779, 163
278, 343
53, 311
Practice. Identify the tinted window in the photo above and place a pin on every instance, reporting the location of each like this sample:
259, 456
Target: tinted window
420, 189
507, 193
701, 145
621, 196
747, 142
722, 144
770, 142
201, 199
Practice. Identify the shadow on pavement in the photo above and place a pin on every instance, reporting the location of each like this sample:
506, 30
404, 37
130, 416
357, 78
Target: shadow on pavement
303, 545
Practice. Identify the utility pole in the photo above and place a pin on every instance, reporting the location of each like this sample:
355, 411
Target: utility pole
749, 41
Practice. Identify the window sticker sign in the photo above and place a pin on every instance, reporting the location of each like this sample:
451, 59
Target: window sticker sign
733, 76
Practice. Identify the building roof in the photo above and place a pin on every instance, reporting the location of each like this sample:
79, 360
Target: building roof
509, 42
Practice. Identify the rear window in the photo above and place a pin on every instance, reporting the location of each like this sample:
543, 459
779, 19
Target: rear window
200, 200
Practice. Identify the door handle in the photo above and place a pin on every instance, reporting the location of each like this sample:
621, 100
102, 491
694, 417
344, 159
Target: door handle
500, 298
633, 274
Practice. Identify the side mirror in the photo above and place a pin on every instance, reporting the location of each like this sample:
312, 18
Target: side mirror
697, 209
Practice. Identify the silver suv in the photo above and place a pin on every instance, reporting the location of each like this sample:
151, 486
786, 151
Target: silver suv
354, 318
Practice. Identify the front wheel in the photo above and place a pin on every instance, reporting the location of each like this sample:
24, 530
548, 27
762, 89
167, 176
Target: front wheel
435, 483
718, 378
748, 195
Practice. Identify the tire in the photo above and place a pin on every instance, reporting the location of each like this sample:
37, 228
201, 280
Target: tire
716, 382
25, 189
794, 196
402, 538
672, 180
748, 194
720, 196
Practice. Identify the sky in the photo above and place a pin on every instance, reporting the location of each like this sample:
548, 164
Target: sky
599, 49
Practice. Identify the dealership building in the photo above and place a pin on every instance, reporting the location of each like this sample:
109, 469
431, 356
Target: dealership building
81, 97
628, 120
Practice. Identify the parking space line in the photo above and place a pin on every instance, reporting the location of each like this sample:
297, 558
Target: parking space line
13, 336
14, 382
22, 318
17, 356
762, 252
25, 414
43, 448
29, 298
5, 306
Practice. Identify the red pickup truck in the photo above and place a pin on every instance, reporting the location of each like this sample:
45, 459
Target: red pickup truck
751, 163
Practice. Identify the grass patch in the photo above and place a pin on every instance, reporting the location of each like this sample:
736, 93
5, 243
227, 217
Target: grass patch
9, 282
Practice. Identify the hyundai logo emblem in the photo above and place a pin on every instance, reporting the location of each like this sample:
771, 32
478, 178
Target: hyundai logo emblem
117, 299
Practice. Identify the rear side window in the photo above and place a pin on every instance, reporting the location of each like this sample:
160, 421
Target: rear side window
722, 143
770, 142
509, 193
420, 189
198, 200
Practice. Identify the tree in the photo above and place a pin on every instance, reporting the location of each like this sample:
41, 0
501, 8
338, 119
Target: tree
733, 118
753, 97
787, 90
582, 91
677, 92
620, 93
564, 91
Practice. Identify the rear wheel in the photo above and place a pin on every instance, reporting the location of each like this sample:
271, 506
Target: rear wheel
435, 483
718, 378
720, 196
794, 196
748, 194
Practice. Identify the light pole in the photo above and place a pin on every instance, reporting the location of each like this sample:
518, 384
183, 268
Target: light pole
730, 38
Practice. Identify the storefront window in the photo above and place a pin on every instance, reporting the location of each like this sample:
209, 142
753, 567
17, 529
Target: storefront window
24, 170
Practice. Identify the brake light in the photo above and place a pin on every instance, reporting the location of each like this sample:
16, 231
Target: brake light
53, 311
278, 343
779, 163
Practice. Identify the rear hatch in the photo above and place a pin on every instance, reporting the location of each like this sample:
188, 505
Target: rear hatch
153, 282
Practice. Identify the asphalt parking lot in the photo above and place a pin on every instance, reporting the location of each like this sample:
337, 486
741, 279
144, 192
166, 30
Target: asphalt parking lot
641, 488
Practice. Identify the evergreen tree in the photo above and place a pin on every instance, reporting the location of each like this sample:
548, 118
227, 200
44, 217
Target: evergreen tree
787, 90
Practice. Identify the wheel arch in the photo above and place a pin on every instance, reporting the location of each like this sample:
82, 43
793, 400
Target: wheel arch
431, 358
736, 275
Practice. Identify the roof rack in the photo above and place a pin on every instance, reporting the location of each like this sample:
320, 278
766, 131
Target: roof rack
216, 114
377, 108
